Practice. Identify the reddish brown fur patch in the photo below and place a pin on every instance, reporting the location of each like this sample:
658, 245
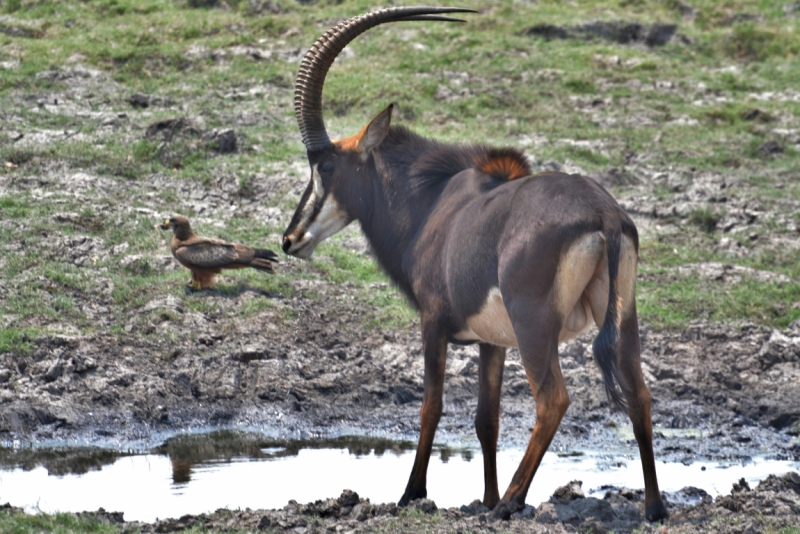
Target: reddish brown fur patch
503, 163
351, 143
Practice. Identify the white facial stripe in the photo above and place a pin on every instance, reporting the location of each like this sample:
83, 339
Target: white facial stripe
316, 193
317, 179
330, 219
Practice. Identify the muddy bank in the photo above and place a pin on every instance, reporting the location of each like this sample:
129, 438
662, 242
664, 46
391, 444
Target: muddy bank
771, 506
720, 391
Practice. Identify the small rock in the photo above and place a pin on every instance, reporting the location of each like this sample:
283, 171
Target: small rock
55, 372
348, 498
475, 507
740, 486
139, 100
362, 511
770, 148
425, 506
223, 142
570, 492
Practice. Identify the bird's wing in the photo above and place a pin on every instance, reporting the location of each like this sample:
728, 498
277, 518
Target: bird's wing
244, 254
208, 254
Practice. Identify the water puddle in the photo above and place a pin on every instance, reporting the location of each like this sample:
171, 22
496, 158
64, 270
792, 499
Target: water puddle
201, 473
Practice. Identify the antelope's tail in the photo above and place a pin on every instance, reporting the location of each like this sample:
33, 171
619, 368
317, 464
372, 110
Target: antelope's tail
606, 344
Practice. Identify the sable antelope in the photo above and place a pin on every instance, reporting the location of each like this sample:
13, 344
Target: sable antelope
206, 257
488, 254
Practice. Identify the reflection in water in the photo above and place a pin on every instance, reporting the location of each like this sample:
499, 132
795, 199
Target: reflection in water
59, 460
188, 450
181, 471
225, 445
201, 473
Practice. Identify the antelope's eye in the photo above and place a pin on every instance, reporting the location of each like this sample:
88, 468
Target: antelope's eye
326, 167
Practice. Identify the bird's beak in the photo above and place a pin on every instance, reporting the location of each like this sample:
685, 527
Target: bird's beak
165, 225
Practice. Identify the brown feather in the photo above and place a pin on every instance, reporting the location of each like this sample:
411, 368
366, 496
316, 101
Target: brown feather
206, 257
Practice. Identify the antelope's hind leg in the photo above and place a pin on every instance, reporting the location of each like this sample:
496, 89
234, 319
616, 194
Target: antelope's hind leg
636, 393
487, 418
639, 399
538, 346
435, 352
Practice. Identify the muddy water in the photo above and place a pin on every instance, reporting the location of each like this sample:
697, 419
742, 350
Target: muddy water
196, 474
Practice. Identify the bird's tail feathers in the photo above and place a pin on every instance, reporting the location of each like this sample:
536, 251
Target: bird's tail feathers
265, 254
264, 260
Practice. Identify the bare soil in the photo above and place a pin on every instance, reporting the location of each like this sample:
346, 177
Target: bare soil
309, 368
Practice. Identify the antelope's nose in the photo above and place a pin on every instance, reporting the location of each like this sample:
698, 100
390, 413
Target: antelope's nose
287, 243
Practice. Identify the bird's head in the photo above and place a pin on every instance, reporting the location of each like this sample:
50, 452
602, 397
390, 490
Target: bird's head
178, 224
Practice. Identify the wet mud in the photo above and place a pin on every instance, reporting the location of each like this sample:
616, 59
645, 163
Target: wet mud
772, 505
335, 378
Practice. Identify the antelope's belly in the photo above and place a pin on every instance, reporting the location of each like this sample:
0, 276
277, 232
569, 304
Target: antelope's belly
492, 323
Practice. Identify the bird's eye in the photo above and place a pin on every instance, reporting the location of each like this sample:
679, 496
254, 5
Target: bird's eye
326, 167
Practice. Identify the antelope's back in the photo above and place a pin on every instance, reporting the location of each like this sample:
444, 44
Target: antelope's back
494, 231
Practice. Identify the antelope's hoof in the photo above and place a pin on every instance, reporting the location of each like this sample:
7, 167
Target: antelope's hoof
656, 512
412, 495
503, 511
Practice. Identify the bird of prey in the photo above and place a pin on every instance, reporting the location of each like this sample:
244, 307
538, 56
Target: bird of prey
206, 257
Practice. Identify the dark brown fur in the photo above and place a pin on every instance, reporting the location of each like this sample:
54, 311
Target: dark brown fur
448, 223
473, 240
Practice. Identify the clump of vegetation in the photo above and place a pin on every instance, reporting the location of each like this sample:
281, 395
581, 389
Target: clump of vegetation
580, 86
705, 219
751, 43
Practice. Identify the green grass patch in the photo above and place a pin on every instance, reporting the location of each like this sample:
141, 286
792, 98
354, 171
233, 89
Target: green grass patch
673, 302
20, 523
580, 86
14, 208
749, 42
705, 219
667, 298
19, 340
681, 105
340, 265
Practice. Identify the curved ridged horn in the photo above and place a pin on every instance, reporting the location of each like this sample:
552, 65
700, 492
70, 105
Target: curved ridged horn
319, 58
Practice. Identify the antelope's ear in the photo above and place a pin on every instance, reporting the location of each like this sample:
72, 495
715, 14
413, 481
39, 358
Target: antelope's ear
375, 132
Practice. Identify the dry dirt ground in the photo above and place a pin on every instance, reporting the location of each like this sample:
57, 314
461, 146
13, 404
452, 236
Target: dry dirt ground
307, 367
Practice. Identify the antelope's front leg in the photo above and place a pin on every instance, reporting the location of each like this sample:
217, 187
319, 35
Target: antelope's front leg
434, 347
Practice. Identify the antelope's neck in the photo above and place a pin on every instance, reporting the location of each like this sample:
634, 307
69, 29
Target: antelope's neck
396, 213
